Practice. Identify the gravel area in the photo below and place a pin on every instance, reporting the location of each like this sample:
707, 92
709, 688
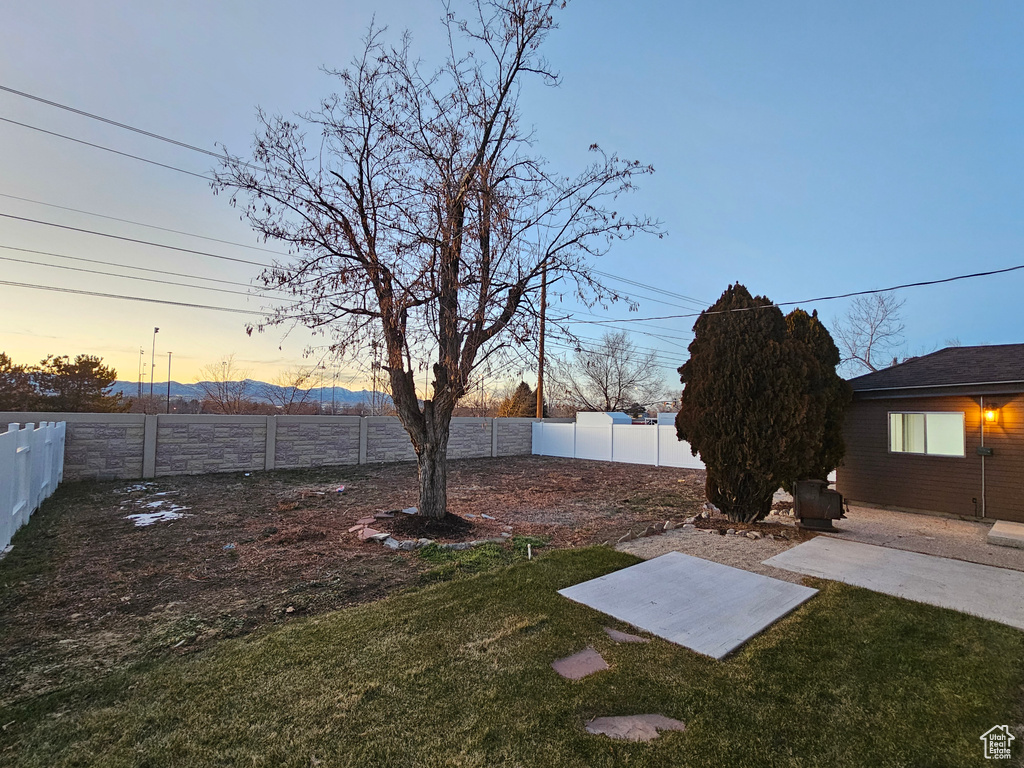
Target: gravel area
928, 534
737, 551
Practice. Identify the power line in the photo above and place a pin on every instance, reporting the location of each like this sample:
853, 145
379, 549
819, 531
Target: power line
144, 299
918, 284
124, 266
135, 240
649, 287
148, 226
136, 277
108, 121
106, 149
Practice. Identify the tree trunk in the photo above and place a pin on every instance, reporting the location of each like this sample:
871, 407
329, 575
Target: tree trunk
432, 469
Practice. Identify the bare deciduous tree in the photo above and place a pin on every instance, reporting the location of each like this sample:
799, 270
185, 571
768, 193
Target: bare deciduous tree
223, 386
613, 375
288, 391
871, 331
421, 215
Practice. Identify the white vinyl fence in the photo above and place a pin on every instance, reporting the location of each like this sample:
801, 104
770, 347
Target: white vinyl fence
31, 467
612, 437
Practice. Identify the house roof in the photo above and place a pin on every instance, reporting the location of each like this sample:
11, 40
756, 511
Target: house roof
958, 368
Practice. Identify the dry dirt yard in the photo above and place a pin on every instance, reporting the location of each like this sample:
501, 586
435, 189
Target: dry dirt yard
85, 590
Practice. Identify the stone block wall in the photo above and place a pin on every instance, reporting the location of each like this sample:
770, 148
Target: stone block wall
316, 441
98, 446
515, 436
470, 438
198, 445
387, 440
109, 446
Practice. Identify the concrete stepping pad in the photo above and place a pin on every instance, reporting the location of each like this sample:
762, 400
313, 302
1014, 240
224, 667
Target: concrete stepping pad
625, 637
634, 727
707, 607
579, 665
1007, 534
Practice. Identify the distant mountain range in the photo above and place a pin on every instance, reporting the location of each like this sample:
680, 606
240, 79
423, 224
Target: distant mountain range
258, 391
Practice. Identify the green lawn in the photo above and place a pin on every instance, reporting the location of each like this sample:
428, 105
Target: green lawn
457, 674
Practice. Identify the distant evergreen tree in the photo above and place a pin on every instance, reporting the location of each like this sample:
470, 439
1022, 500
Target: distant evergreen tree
744, 402
521, 403
16, 390
79, 386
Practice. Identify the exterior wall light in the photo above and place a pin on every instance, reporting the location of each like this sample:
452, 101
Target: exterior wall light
991, 415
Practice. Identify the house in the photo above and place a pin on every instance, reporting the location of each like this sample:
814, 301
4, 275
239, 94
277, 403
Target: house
940, 433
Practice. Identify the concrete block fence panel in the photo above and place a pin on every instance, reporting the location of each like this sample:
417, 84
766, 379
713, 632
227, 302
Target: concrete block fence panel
317, 441
109, 446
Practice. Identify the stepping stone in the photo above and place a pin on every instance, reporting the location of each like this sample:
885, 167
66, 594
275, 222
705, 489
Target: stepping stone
368, 533
579, 665
365, 520
356, 527
625, 637
1007, 534
634, 727
409, 511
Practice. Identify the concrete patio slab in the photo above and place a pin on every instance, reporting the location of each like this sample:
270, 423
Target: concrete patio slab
1007, 534
980, 590
704, 606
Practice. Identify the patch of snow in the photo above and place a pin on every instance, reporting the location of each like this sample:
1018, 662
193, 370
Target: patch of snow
148, 518
135, 488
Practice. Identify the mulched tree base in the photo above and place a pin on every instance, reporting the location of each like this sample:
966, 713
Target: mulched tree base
419, 527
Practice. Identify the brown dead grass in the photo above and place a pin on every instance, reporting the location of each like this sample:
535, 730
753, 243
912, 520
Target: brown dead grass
84, 591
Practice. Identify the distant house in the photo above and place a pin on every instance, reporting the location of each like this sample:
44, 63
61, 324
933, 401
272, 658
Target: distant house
940, 433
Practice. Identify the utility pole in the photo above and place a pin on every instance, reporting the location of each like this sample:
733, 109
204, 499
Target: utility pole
152, 363
543, 312
168, 382
142, 366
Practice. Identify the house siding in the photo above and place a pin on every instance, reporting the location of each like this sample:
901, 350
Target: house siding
870, 474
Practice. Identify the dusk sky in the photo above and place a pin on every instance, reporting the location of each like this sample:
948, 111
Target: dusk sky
803, 149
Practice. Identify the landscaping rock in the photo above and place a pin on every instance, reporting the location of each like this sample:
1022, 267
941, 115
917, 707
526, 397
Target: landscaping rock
730, 531
634, 727
652, 529
356, 527
365, 520
506, 534
579, 665
391, 543
424, 542
368, 533
379, 537
382, 516
408, 546
668, 525
690, 519
754, 535
689, 525
486, 517
410, 511
628, 537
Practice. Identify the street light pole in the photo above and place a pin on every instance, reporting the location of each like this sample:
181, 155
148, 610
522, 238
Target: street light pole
152, 363
168, 382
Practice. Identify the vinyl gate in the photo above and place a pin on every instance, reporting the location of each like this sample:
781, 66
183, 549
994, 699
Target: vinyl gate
31, 467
